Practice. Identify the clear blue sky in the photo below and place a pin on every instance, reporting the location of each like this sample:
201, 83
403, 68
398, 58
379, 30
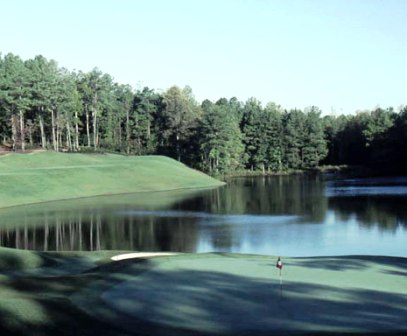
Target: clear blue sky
336, 54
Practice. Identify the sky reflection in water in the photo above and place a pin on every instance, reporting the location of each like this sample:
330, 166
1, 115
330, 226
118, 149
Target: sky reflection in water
293, 216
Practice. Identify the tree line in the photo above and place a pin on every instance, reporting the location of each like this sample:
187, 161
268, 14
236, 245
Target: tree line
44, 105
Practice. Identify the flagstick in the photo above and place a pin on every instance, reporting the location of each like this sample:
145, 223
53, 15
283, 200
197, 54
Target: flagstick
281, 285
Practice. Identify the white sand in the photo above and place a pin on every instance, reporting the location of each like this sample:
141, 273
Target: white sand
141, 255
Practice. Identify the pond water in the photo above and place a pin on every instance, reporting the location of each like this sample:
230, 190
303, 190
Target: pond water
290, 216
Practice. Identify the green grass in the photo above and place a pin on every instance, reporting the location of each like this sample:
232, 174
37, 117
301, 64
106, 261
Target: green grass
85, 293
49, 176
229, 294
14, 260
35, 289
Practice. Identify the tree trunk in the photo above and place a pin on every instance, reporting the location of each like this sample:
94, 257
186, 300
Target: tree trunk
98, 225
80, 232
76, 131
127, 132
46, 235
22, 134
30, 135
178, 149
91, 233
94, 128
54, 139
68, 136
57, 235
43, 140
120, 137
14, 131
25, 237
94, 115
87, 126
17, 238
58, 136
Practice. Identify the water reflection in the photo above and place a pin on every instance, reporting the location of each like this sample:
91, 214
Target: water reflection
384, 212
276, 215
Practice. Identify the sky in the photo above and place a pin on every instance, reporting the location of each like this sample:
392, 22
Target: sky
342, 56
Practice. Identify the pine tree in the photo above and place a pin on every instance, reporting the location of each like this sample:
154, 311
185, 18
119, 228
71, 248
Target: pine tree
315, 146
294, 131
273, 134
251, 126
15, 97
221, 140
180, 117
146, 106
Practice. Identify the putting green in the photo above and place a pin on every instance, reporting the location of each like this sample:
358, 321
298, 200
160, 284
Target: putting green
231, 294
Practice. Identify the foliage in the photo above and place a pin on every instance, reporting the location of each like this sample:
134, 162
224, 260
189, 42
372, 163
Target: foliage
43, 105
220, 139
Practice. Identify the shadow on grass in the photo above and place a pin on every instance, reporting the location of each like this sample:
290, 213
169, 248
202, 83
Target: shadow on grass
196, 302
190, 302
36, 301
344, 263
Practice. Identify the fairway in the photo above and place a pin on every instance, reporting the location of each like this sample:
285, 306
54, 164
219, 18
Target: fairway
49, 176
216, 294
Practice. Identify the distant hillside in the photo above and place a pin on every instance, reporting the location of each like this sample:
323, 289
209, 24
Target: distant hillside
48, 176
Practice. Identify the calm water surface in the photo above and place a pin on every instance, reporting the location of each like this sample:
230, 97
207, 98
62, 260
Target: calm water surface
292, 216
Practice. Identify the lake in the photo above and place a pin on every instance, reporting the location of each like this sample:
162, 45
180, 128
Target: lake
283, 215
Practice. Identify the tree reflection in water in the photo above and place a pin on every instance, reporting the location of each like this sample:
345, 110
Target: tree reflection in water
246, 212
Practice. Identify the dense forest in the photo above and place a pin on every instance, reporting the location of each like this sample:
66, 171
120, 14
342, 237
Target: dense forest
45, 106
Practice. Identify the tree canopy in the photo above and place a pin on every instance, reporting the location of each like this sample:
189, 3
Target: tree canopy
44, 105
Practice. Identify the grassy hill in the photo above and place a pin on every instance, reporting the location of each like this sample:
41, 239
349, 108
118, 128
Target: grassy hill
48, 176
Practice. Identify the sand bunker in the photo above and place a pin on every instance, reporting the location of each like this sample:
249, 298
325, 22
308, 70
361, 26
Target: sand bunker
141, 255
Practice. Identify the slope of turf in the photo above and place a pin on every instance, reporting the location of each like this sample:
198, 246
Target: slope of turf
227, 294
48, 176
86, 293
35, 289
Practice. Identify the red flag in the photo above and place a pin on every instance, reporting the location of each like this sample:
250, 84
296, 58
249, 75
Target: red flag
279, 264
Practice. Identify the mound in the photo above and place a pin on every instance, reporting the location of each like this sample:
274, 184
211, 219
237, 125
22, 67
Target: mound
48, 176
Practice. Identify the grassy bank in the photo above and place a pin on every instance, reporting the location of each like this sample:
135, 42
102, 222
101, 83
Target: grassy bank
48, 176
311, 171
199, 294
340, 171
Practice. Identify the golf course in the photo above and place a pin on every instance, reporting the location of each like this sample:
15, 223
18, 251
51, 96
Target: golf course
127, 292
199, 294
49, 176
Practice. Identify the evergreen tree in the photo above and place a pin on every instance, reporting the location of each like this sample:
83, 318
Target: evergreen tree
15, 97
122, 108
96, 89
146, 106
221, 140
315, 147
42, 104
180, 117
377, 123
272, 119
43, 84
294, 131
254, 140
67, 105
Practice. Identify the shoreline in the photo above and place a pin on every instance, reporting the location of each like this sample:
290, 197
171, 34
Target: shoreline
114, 194
62, 176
